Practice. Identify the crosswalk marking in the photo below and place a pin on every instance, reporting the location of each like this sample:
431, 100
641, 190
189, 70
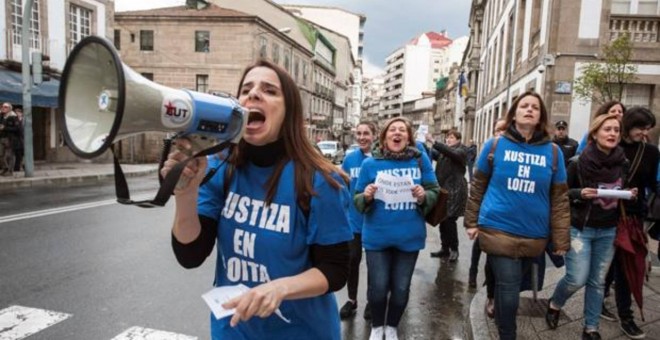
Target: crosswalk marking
139, 333
18, 322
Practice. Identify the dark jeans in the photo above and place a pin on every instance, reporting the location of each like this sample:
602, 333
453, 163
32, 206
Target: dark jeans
354, 267
389, 271
621, 290
508, 273
449, 234
474, 269
19, 159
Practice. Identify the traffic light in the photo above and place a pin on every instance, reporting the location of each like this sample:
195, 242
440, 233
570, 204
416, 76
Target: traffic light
38, 61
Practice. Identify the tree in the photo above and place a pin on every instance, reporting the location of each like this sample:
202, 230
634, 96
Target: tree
604, 81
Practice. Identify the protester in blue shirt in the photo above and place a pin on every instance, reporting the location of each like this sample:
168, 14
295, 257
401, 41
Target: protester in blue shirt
394, 230
365, 133
613, 106
521, 174
277, 210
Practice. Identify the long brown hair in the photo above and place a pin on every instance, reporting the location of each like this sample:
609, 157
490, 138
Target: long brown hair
542, 126
297, 147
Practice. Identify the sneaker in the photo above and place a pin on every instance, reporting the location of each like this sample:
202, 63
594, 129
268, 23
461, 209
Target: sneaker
631, 330
367, 312
453, 255
552, 316
605, 314
348, 310
593, 335
444, 252
376, 333
390, 333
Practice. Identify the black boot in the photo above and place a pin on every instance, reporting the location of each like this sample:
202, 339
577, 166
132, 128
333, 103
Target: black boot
444, 252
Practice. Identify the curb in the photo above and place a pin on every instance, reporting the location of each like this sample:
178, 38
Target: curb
67, 181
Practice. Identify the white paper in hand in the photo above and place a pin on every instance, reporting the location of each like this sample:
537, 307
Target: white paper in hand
618, 194
219, 295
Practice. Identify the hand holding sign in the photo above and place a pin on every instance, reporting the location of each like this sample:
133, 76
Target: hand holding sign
393, 189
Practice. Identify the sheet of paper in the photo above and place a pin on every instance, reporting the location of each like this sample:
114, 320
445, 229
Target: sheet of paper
420, 136
219, 295
394, 189
609, 193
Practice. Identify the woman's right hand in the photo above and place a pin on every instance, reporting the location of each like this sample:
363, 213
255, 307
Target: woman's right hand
472, 233
369, 192
193, 174
589, 193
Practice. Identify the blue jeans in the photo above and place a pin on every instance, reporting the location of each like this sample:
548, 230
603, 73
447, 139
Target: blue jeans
592, 250
389, 271
508, 273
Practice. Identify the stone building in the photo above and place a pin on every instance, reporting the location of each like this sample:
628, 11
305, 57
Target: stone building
541, 45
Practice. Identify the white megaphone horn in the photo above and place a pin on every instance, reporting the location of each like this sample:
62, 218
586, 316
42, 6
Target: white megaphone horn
102, 100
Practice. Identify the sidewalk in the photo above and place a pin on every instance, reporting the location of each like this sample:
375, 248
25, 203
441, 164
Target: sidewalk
71, 174
531, 314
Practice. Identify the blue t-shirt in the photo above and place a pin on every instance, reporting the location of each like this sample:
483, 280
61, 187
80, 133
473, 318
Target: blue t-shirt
399, 225
351, 166
517, 199
257, 244
583, 144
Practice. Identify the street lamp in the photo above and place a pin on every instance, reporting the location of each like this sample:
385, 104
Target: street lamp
27, 88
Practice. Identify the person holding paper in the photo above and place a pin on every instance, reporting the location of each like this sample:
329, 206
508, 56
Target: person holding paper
277, 211
594, 219
365, 133
394, 230
451, 159
517, 202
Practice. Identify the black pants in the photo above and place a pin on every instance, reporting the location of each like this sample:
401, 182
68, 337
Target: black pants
449, 234
622, 292
19, 159
488, 271
354, 267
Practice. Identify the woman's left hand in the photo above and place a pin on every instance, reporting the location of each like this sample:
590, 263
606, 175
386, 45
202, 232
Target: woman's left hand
419, 193
559, 252
262, 301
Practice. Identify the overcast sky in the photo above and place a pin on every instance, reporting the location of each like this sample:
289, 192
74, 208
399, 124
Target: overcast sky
390, 24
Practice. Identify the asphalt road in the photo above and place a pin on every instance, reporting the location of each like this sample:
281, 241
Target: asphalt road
111, 267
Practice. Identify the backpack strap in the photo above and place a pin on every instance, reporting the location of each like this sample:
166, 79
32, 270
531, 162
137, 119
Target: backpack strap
555, 157
491, 152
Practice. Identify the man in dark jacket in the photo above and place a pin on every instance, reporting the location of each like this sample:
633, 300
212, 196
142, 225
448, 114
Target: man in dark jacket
471, 157
567, 145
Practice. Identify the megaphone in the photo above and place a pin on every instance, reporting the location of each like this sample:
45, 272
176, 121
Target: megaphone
102, 100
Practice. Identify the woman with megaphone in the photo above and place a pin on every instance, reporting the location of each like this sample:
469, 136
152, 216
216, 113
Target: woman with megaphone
277, 210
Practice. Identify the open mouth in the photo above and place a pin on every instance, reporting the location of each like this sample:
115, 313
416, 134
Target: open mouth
255, 118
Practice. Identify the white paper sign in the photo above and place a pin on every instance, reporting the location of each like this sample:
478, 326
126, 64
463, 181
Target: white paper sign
421, 133
394, 189
219, 295
619, 194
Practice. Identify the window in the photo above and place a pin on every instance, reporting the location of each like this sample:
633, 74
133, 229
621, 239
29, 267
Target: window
17, 24
202, 83
647, 7
296, 68
148, 75
80, 24
263, 47
118, 39
146, 40
304, 73
276, 53
620, 6
202, 41
287, 61
637, 95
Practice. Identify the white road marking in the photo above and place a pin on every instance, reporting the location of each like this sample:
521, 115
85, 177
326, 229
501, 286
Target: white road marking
53, 211
17, 322
139, 333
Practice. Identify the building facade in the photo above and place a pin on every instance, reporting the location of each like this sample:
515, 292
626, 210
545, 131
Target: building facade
541, 45
350, 25
56, 26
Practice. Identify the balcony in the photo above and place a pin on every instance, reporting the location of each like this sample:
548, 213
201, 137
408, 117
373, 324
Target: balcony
642, 29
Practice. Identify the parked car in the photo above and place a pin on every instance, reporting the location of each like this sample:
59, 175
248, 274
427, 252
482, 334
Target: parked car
332, 150
352, 148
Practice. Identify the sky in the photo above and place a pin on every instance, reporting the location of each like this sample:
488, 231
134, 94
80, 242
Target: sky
390, 24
